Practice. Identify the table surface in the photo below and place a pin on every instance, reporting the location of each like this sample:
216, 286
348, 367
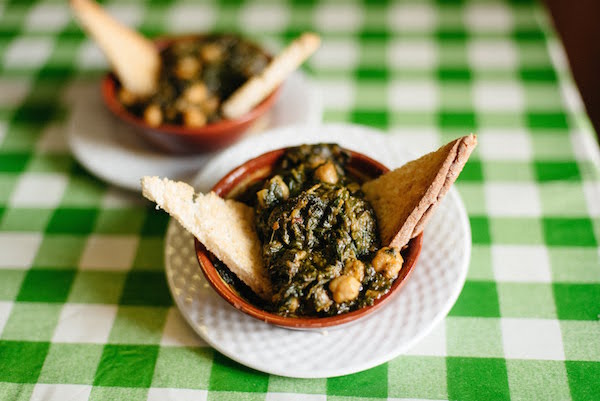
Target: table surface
85, 312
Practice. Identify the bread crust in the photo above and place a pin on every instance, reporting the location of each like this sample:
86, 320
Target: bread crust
405, 198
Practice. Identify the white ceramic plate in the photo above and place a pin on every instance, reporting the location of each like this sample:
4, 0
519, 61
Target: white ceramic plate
112, 150
430, 292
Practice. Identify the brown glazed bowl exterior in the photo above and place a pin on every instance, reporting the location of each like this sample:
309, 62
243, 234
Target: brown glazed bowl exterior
174, 138
235, 182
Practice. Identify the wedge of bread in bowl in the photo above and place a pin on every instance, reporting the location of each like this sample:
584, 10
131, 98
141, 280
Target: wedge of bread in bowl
224, 227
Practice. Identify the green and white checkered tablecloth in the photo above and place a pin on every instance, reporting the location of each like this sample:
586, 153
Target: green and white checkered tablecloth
85, 312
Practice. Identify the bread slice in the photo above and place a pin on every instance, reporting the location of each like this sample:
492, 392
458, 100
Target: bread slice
405, 198
134, 58
224, 227
259, 87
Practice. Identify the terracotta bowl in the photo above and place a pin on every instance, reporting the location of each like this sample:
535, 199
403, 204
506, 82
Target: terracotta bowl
235, 183
174, 138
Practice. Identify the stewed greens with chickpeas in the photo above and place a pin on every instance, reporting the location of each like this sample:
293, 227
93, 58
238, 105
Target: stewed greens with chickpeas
319, 236
197, 75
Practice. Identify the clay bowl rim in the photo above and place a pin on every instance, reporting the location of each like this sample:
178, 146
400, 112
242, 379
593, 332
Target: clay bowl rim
236, 178
109, 85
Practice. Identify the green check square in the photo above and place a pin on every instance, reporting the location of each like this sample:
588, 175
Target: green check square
574, 264
556, 171
473, 195
569, 232
50, 163
453, 74
588, 170
452, 56
46, 285
138, 325
577, 301
371, 95
71, 363
227, 375
83, 190
420, 119
551, 146
13, 162
10, 283
562, 199
118, 393
537, 380
580, 339
21, 137
471, 172
508, 171
119, 221
72, 221
24, 219
417, 377
542, 96
15, 391
281, 384
539, 120
478, 298
502, 120
584, 379
373, 118
183, 367
516, 230
455, 96
146, 288
464, 120
368, 383
7, 184
480, 230
97, 287
484, 337
373, 53
150, 254
21, 362
59, 251
126, 366
31, 321
155, 223
532, 56
234, 395
526, 300
480, 267
477, 379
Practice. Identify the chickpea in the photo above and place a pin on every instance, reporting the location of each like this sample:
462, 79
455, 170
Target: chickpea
193, 117
344, 288
211, 53
388, 261
355, 268
285, 191
261, 197
196, 93
153, 115
187, 67
326, 173
293, 304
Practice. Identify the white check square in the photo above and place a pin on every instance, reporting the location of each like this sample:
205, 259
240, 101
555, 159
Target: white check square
84, 323
5, 309
413, 95
271, 17
532, 339
488, 17
49, 17
39, 190
28, 52
109, 252
89, 55
498, 96
591, 191
492, 54
295, 397
18, 249
512, 199
412, 17
336, 53
338, 17
412, 53
340, 94
505, 145
190, 17
129, 14
60, 392
521, 263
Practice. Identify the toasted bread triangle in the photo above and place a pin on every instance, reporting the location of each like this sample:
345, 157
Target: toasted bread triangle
405, 198
224, 226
